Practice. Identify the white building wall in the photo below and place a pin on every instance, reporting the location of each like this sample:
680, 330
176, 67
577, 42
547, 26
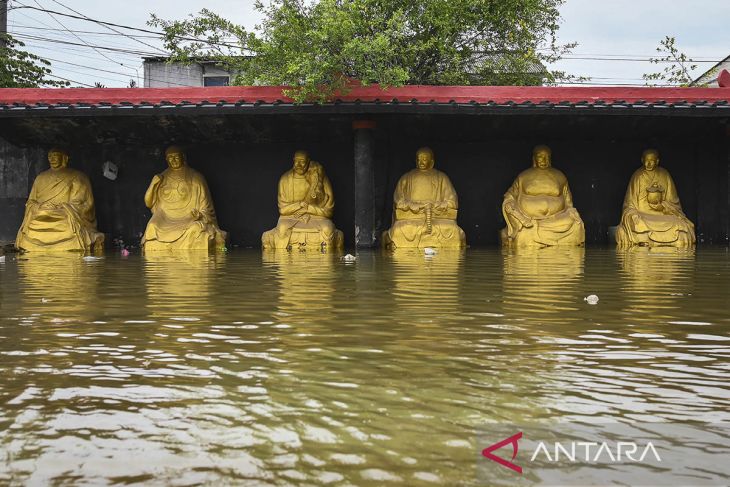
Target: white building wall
710, 77
160, 74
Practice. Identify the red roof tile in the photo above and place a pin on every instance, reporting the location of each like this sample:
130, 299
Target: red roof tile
406, 94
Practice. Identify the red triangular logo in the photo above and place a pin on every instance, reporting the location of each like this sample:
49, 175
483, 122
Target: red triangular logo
487, 452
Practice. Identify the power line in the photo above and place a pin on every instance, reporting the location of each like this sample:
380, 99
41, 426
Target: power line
108, 27
75, 52
108, 71
70, 80
92, 32
76, 36
112, 24
651, 60
101, 43
70, 43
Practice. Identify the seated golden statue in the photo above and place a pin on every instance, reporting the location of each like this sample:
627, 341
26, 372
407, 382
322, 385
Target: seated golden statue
183, 217
538, 207
59, 214
306, 204
424, 209
652, 215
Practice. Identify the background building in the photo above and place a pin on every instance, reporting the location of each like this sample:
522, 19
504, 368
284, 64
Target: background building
710, 77
159, 73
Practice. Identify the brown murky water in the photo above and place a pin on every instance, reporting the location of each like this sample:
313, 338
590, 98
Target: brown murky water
302, 369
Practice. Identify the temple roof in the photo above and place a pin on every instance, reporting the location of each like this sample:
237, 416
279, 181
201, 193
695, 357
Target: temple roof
370, 99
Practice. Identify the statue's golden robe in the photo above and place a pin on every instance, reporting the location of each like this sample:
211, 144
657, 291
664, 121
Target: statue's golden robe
542, 197
641, 224
314, 228
414, 227
183, 216
59, 214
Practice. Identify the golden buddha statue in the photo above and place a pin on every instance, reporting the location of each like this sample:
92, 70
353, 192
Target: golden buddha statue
538, 207
306, 203
59, 214
183, 217
652, 215
424, 209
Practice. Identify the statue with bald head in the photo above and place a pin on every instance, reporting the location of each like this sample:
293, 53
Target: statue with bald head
652, 214
425, 205
538, 207
306, 204
59, 214
183, 217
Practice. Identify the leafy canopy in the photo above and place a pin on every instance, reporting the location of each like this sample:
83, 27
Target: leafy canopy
21, 69
319, 47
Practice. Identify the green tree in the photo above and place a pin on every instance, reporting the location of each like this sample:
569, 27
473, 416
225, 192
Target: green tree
679, 66
320, 47
21, 69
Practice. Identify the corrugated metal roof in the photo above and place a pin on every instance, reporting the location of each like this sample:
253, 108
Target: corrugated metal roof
13, 100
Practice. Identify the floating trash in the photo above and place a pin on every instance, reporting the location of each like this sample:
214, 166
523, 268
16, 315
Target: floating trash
90, 258
349, 258
2, 258
592, 299
125, 253
430, 251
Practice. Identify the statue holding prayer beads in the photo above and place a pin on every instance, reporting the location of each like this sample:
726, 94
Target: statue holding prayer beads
425, 205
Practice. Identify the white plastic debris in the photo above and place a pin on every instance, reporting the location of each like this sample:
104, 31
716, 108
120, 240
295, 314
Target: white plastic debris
2, 259
349, 258
89, 258
46, 300
591, 299
429, 251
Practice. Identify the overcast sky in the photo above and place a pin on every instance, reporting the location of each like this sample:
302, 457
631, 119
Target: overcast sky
619, 29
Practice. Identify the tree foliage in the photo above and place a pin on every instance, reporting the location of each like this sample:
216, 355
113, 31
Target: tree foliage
21, 69
679, 66
320, 47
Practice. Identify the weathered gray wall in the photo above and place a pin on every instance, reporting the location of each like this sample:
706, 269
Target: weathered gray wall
161, 74
18, 168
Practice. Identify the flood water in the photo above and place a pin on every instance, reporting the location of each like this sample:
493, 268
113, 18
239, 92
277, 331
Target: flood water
301, 369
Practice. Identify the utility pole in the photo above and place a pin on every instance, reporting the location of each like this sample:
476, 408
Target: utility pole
3, 21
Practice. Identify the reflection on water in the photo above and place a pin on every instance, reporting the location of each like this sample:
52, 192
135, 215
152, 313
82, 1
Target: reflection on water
655, 281
45, 281
294, 368
180, 286
543, 284
425, 286
306, 285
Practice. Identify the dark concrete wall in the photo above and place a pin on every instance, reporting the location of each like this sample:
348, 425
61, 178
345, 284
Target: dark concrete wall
18, 168
242, 158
